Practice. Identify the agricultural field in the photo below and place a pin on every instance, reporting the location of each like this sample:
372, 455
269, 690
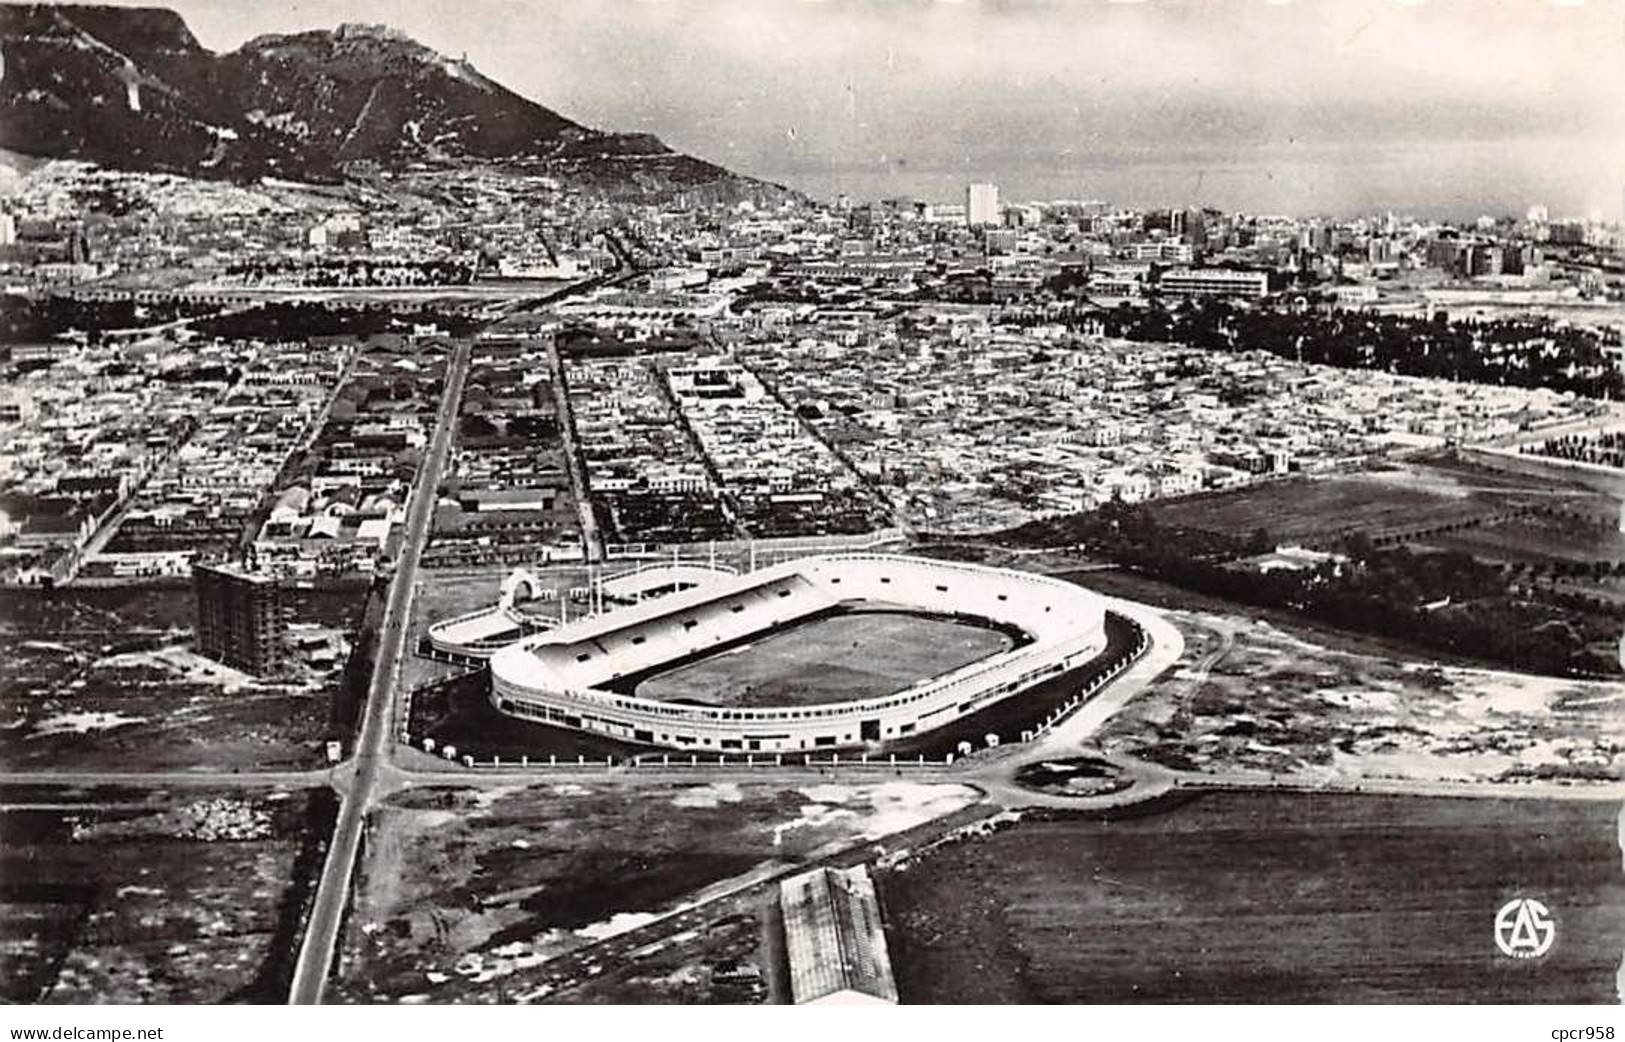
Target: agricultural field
1586, 537
1307, 510
837, 658
189, 895
1248, 696
1278, 898
108, 678
522, 892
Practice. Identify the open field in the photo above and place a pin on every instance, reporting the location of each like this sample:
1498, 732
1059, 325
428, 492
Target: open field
1132, 586
1307, 510
1247, 695
1300, 510
107, 678
464, 895
116, 895
1263, 898
1538, 539
835, 658
160, 708
168, 710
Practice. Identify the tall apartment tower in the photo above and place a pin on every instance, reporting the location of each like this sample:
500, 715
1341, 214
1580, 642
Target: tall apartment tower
241, 618
78, 246
982, 205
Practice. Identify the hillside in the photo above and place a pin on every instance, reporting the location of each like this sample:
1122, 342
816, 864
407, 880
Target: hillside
133, 89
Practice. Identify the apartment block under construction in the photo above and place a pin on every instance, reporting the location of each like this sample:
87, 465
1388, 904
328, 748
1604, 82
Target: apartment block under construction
242, 618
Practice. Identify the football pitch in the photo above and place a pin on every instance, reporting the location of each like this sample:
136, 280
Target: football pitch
834, 658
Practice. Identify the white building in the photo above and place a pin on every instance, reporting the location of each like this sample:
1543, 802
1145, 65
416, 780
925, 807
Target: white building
982, 205
1215, 282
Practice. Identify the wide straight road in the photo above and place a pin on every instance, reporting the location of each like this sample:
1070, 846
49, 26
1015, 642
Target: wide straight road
203, 778
572, 452
372, 747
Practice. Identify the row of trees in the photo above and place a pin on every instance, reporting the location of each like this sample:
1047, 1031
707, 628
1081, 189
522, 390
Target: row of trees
1606, 449
1451, 602
355, 272
1523, 352
301, 320
25, 320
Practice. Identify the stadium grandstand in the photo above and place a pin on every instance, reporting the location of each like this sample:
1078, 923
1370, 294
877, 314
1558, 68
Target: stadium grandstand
479, 634
576, 675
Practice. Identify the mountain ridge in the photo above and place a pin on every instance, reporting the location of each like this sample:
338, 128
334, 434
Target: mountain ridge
132, 88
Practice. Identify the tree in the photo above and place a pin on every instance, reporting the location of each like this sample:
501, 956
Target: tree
1359, 547
407, 462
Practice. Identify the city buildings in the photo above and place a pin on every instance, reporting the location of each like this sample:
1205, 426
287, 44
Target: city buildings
753, 371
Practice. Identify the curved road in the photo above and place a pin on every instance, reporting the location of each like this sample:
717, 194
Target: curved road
1066, 738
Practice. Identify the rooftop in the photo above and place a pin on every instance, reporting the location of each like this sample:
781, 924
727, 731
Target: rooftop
834, 938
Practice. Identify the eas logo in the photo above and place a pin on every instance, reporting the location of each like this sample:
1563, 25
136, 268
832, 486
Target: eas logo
1524, 929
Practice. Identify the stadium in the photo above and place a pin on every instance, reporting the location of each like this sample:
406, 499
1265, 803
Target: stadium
830, 652
477, 635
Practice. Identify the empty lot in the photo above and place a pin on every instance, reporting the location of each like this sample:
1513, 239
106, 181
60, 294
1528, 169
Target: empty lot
121, 895
1265, 898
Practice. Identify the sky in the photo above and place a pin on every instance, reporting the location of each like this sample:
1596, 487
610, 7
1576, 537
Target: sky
1457, 107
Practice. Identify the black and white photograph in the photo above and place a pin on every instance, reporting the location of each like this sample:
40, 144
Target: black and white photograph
627, 503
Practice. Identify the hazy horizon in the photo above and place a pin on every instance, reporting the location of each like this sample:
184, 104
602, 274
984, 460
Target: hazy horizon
1449, 108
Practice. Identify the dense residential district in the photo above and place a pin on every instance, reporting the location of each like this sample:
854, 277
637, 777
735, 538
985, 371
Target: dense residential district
205, 371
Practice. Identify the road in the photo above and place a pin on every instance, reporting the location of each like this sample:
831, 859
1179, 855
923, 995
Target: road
377, 731
1066, 738
590, 535
1602, 792
104, 532
200, 778
1167, 644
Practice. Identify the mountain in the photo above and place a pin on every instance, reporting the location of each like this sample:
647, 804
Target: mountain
132, 88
